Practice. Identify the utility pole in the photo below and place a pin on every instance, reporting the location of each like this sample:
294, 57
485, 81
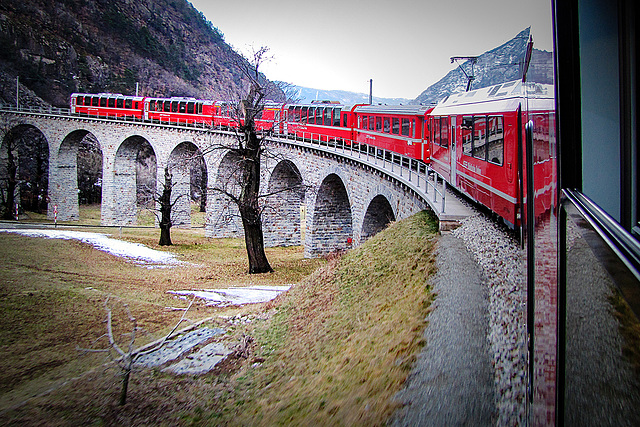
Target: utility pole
470, 77
370, 91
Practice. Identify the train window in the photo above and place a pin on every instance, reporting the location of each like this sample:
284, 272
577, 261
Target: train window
95, 101
365, 122
198, 107
327, 116
495, 140
127, 103
406, 127
372, 122
378, 124
336, 117
174, 107
87, 100
396, 126
119, 103
103, 102
111, 102
303, 114
387, 125
79, 100
480, 137
345, 123
167, 106
540, 138
436, 130
319, 115
467, 135
190, 107
182, 107
444, 132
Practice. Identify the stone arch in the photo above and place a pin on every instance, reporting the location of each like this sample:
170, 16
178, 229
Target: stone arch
332, 222
378, 215
73, 168
24, 170
223, 217
187, 165
134, 181
282, 214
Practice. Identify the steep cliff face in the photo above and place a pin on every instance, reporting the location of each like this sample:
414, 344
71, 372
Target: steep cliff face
167, 46
495, 66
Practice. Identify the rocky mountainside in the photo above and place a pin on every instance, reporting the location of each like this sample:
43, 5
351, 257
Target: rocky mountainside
498, 65
65, 46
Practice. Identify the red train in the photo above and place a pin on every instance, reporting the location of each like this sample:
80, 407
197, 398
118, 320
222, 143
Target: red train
475, 140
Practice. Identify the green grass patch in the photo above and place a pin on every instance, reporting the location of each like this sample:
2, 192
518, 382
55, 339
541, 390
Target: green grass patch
342, 343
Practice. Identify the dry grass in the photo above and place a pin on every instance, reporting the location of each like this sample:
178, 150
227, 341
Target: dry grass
341, 345
52, 294
332, 351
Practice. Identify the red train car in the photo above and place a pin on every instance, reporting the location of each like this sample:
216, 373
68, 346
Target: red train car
107, 105
475, 137
395, 128
325, 121
179, 110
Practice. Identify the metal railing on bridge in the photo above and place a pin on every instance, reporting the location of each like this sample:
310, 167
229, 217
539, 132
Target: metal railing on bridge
415, 174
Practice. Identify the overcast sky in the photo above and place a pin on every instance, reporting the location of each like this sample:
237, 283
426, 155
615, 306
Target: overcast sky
403, 45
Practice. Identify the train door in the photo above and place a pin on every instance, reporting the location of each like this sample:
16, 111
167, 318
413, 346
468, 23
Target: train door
452, 152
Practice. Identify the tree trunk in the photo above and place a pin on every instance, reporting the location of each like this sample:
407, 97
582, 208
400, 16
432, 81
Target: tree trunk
125, 386
12, 182
165, 210
248, 203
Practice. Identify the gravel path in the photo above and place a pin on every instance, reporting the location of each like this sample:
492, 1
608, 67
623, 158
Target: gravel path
452, 381
472, 369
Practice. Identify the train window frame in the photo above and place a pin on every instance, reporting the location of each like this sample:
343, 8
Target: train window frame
500, 141
336, 117
328, 113
405, 127
395, 126
443, 139
378, 124
467, 133
476, 152
386, 125
363, 123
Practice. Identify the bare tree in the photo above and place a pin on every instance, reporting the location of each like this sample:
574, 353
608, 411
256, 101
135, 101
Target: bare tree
164, 205
127, 357
248, 152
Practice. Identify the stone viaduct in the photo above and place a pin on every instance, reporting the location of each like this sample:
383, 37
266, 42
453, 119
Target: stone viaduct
340, 198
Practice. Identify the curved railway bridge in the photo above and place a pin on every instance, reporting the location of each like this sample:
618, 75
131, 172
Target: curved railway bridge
343, 193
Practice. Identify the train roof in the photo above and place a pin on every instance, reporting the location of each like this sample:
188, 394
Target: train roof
110, 95
503, 97
410, 110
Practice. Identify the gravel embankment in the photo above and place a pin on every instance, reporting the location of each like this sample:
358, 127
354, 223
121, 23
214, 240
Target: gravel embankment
472, 369
504, 268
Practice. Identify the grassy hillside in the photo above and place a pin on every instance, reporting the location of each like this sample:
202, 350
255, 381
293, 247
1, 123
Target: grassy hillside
340, 345
334, 350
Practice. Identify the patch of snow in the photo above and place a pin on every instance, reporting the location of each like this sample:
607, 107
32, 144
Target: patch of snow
138, 253
237, 296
